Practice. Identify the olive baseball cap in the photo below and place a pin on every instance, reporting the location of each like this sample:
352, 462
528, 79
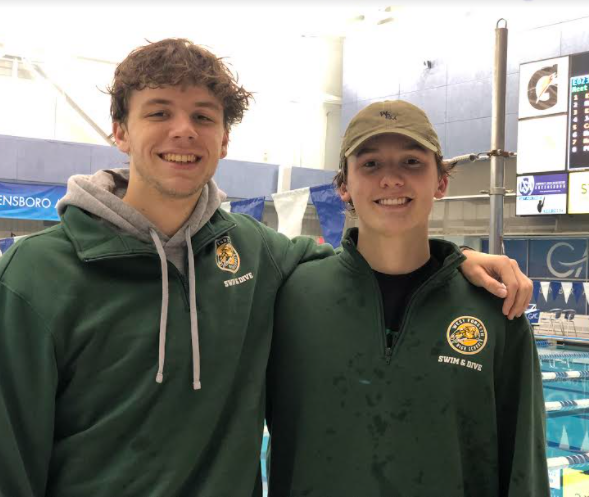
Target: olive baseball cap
389, 116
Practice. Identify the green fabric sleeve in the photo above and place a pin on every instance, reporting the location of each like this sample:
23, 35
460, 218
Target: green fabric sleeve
521, 416
28, 384
288, 254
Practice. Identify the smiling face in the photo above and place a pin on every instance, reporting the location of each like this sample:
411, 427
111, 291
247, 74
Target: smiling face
392, 182
174, 137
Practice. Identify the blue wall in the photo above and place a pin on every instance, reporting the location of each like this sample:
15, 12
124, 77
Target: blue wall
51, 161
302, 176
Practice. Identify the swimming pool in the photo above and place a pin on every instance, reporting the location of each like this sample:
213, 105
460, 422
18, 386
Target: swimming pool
567, 426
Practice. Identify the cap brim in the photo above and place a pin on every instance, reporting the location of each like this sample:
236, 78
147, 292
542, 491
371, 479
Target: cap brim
403, 132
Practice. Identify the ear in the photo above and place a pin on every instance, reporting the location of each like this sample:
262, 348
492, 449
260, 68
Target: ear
442, 187
121, 136
224, 144
344, 194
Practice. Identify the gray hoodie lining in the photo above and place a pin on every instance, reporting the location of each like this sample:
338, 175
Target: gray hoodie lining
101, 195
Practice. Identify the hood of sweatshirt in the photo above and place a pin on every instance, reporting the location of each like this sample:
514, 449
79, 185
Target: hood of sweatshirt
101, 195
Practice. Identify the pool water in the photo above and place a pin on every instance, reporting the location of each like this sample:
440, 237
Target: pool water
567, 432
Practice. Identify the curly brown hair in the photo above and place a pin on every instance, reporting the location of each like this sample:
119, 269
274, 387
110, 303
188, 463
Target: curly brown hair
173, 62
444, 169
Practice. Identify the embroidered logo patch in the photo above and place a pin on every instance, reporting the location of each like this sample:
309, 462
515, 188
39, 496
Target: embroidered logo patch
467, 335
226, 256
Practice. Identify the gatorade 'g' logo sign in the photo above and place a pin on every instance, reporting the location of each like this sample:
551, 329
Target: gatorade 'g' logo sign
543, 88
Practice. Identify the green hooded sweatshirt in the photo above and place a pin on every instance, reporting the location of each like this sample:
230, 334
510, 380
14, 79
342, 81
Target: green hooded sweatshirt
455, 409
126, 371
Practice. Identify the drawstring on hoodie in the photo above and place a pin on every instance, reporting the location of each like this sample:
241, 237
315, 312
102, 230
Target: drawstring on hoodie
102, 194
164, 313
193, 319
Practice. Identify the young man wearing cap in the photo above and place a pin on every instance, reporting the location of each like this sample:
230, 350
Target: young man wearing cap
390, 374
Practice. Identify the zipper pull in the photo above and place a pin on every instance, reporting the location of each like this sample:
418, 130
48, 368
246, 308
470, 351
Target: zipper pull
390, 338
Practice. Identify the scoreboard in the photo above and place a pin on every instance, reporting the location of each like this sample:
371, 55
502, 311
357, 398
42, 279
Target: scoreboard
578, 139
553, 137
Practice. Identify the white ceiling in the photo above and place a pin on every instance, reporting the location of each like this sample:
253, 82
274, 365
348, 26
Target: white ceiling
109, 29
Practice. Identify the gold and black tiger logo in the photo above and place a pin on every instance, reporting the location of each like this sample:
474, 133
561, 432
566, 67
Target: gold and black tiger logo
226, 256
467, 335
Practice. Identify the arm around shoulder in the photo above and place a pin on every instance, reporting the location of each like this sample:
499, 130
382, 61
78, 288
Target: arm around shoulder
28, 384
287, 254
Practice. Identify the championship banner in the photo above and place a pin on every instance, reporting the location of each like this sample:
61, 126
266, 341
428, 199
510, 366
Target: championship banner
331, 213
251, 206
28, 201
290, 207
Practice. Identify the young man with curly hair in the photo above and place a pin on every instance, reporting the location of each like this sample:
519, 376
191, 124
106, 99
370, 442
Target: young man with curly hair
134, 335
390, 374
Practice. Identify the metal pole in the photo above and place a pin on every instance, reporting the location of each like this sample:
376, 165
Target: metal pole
497, 190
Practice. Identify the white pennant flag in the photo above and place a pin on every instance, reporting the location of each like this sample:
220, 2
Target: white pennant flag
564, 440
226, 206
545, 287
567, 288
290, 207
586, 288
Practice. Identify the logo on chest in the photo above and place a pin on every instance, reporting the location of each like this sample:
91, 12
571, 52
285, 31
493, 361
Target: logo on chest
226, 256
467, 335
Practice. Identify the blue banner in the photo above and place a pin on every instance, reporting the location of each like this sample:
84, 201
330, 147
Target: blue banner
24, 201
331, 212
251, 206
560, 259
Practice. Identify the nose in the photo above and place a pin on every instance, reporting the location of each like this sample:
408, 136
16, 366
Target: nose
392, 176
183, 128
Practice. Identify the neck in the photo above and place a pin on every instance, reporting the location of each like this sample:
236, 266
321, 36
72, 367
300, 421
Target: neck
168, 214
398, 254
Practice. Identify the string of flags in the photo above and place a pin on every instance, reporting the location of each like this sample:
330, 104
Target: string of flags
291, 206
552, 289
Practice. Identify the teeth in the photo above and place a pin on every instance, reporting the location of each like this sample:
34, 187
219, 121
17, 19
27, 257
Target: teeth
393, 201
179, 157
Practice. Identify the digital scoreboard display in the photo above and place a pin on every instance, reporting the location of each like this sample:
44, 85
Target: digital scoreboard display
553, 137
578, 129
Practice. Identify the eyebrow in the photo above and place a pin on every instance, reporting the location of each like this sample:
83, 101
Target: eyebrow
200, 105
